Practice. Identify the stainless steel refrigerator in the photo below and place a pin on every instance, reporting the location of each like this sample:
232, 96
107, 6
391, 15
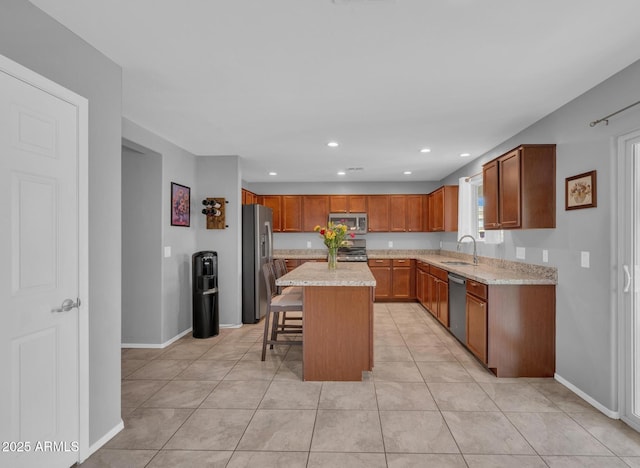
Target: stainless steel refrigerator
257, 249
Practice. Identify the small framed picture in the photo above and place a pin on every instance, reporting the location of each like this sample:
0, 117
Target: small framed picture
180, 205
580, 191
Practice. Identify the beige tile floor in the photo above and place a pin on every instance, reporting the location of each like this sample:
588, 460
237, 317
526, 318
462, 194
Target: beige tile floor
213, 403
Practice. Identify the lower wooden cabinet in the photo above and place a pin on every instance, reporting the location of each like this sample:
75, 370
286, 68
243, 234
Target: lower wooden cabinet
437, 294
477, 326
381, 270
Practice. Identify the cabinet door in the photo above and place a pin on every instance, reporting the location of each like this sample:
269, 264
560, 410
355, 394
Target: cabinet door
337, 204
382, 274
397, 213
357, 204
291, 218
509, 189
432, 295
378, 210
436, 210
477, 327
403, 279
490, 195
421, 286
315, 211
275, 203
443, 301
416, 210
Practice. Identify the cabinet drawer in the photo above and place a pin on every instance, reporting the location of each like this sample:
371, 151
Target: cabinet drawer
477, 289
422, 266
439, 273
404, 262
380, 262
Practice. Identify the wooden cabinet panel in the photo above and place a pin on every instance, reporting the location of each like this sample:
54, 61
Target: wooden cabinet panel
378, 213
315, 211
337, 203
291, 263
443, 209
397, 213
477, 327
421, 286
275, 203
509, 190
520, 190
490, 195
416, 213
291, 217
443, 301
381, 271
357, 203
403, 279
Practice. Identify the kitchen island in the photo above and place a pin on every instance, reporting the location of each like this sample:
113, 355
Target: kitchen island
337, 321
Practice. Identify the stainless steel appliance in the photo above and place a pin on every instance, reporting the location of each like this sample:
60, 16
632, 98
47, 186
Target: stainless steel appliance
355, 222
458, 306
257, 249
353, 250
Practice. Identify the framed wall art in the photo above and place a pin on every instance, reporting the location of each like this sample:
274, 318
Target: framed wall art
580, 191
180, 205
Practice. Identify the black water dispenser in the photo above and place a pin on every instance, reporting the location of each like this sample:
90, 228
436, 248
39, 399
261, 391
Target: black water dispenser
206, 321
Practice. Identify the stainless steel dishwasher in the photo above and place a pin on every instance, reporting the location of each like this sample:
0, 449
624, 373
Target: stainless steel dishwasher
458, 306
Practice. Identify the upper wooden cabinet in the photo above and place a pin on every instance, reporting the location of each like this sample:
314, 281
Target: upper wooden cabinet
347, 204
520, 189
397, 213
378, 213
275, 203
443, 209
417, 216
249, 198
291, 216
315, 211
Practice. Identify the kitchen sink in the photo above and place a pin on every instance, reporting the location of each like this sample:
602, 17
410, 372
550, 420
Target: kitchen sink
456, 262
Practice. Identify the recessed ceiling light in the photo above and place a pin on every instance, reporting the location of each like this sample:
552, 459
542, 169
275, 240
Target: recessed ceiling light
425, 150
273, 173
341, 173
407, 172
465, 155
332, 144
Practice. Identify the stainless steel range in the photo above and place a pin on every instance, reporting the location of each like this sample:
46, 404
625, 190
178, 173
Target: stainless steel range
353, 250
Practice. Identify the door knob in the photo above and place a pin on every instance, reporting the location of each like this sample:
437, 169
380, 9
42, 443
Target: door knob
67, 305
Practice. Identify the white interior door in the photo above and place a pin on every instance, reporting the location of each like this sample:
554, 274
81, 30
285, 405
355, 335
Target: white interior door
629, 260
40, 239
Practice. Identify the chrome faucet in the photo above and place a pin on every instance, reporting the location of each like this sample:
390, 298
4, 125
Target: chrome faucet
475, 251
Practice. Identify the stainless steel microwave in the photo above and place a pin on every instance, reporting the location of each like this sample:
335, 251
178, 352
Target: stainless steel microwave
355, 222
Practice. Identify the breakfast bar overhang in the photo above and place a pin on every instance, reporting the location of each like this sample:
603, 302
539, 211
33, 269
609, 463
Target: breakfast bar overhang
337, 320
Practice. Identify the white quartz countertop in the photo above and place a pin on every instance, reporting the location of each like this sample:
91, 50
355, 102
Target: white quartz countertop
318, 274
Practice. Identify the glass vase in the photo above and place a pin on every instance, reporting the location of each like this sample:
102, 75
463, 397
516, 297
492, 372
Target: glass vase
333, 258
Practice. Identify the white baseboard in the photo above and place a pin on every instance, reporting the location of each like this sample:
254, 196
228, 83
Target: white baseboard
230, 325
103, 440
157, 345
599, 406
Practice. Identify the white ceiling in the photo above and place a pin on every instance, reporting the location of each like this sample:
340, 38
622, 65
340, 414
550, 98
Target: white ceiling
274, 80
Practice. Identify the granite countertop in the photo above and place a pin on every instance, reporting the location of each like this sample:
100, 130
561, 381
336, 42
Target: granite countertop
488, 271
318, 274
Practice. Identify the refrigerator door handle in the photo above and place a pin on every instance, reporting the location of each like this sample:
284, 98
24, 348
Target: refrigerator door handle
269, 234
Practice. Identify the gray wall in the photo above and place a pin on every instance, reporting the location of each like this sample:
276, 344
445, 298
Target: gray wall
141, 246
219, 176
586, 341
178, 165
33, 39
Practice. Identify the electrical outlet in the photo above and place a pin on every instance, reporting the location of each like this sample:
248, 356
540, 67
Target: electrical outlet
308, 244
167, 251
520, 253
584, 259
391, 244
441, 244
545, 256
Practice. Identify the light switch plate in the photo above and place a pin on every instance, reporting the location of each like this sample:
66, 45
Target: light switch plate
584, 259
545, 256
390, 244
167, 251
308, 244
520, 253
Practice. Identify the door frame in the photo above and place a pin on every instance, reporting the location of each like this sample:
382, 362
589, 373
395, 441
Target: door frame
623, 179
81, 104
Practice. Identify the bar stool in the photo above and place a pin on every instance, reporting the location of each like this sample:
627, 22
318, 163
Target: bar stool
277, 303
280, 269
